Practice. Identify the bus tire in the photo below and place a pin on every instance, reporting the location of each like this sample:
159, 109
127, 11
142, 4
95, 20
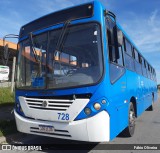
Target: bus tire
129, 131
150, 108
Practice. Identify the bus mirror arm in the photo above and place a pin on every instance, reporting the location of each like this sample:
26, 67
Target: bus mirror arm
6, 51
109, 13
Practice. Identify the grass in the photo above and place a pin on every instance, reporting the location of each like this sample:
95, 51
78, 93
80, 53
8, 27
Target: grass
7, 127
6, 97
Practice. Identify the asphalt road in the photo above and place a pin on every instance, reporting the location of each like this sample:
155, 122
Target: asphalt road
147, 132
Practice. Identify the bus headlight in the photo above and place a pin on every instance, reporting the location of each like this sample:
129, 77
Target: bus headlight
97, 106
87, 111
17, 106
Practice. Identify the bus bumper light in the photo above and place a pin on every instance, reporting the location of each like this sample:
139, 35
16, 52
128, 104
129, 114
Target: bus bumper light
19, 108
104, 102
97, 106
87, 111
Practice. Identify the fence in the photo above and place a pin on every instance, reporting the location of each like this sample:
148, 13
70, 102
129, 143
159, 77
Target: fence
5, 84
7, 88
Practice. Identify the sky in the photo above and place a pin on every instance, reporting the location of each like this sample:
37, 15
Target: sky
140, 20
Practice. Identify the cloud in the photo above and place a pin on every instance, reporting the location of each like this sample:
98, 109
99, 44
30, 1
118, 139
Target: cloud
61, 4
152, 18
145, 32
9, 25
53, 6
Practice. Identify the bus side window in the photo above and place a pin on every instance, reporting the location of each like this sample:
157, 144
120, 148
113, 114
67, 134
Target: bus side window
128, 48
136, 55
129, 61
145, 63
116, 65
138, 62
144, 67
148, 70
152, 73
112, 40
111, 44
120, 60
155, 75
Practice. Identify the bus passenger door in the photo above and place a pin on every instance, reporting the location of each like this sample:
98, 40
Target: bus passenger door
117, 88
118, 92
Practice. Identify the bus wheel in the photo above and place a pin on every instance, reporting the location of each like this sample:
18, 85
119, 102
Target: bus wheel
129, 131
150, 108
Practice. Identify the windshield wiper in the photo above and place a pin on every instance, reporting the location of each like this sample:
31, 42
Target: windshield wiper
61, 37
38, 59
33, 48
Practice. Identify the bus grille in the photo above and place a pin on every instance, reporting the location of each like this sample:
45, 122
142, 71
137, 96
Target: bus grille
48, 104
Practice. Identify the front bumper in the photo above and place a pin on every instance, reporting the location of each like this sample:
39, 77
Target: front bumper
94, 129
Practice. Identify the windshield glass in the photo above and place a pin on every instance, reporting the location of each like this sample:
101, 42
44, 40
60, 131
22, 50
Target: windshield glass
78, 62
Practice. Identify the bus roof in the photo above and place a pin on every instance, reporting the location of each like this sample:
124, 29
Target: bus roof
61, 16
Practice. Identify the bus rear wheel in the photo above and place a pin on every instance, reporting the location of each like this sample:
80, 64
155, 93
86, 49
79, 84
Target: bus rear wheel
129, 131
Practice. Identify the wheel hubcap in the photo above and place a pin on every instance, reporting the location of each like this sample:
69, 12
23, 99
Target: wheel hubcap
132, 118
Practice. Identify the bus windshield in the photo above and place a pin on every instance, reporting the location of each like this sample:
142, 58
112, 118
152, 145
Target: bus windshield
78, 61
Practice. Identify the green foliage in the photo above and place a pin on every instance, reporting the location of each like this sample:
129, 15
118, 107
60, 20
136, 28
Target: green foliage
6, 97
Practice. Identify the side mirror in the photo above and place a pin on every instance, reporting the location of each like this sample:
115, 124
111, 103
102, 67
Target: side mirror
120, 37
116, 43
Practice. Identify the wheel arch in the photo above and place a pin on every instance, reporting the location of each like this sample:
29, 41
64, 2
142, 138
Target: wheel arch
133, 100
153, 95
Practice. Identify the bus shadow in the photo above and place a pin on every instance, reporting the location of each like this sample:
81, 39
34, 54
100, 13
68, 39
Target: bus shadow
69, 146
49, 144
121, 135
7, 123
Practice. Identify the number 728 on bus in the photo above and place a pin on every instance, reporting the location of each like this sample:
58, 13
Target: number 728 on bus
63, 116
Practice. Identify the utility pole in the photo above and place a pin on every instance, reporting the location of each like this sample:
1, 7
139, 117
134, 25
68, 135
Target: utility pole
13, 74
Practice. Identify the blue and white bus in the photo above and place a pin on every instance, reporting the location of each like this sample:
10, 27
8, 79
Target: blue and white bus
80, 77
